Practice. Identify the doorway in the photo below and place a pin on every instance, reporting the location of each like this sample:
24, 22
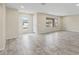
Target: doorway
26, 23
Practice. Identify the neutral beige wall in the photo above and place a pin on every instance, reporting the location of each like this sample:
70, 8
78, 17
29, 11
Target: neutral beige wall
11, 23
35, 30
2, 26
71, 23
41, 22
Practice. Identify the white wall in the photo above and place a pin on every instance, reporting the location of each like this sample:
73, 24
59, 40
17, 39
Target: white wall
41, 22
11, 23
2, 26
71, 23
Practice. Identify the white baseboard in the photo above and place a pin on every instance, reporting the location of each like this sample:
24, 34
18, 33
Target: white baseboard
10, 38
2, 49
72, 31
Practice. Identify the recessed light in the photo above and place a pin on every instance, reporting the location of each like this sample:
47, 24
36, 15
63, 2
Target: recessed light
21, 6
77, 4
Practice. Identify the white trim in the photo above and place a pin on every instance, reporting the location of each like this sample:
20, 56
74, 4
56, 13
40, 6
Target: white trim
2, 49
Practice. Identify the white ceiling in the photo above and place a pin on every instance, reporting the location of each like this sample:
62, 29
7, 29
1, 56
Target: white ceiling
60, 9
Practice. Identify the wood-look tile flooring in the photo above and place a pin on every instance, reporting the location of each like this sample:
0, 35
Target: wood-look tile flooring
57, 43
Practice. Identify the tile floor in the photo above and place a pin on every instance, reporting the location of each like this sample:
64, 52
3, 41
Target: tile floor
57, 43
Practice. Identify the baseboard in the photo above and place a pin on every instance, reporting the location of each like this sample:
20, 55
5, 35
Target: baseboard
52, 31
11, 38
72, 31
2, 49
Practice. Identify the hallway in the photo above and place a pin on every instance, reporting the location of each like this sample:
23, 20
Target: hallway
57, 43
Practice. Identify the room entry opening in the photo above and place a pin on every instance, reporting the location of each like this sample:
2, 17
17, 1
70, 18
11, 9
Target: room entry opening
26, 23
